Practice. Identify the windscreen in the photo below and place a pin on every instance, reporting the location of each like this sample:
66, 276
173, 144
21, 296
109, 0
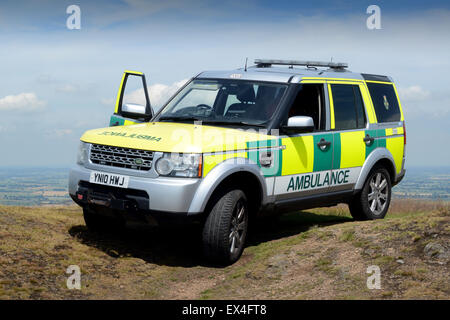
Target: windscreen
225, 101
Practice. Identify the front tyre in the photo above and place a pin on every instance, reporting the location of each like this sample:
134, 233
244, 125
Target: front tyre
225, 229
374, 199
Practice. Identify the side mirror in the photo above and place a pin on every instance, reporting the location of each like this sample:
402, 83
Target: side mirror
132, 110
299, 124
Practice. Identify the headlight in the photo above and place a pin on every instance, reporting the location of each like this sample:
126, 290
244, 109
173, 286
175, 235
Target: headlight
83, 150
180, 165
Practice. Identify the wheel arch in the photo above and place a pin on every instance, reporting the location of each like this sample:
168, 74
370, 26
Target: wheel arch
239, 172
379, 156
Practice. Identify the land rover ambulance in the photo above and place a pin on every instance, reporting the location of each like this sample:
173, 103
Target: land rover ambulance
229, 146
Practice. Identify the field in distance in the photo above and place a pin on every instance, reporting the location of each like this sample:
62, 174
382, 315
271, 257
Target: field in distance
34, 186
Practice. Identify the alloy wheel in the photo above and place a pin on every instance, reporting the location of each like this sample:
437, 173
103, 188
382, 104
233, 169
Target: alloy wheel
238, 227
378, 194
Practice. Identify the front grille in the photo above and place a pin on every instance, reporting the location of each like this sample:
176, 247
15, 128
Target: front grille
121, 157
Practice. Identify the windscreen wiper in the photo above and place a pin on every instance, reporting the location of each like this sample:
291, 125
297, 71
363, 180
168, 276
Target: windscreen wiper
183, 118
244, 123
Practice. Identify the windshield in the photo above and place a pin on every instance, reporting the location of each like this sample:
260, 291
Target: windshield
225, 102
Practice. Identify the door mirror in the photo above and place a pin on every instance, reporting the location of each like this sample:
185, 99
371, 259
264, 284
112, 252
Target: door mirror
133, 110
299, 124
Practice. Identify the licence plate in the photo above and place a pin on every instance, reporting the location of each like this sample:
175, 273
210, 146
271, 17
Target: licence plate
109, 179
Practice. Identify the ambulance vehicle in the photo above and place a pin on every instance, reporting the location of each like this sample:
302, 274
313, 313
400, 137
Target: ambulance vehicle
230, 146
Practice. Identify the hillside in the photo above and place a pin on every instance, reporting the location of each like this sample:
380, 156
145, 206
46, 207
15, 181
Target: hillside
317, 254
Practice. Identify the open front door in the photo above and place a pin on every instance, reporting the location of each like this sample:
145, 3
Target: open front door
132, 103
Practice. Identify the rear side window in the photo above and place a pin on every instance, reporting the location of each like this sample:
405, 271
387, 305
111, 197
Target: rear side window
348, 107
384, 101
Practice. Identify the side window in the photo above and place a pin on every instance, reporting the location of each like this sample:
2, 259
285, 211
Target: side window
384, 102
348, 107
309, 102
134, 91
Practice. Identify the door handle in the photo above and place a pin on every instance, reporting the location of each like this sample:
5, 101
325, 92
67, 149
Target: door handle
368, 140
265, 159
323, 144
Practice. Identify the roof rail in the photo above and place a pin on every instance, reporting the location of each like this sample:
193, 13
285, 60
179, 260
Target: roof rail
264, 63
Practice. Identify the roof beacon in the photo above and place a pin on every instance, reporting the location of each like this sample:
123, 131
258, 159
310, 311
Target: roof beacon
265, 63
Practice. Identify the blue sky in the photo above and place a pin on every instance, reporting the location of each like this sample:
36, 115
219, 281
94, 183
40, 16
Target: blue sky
57, 83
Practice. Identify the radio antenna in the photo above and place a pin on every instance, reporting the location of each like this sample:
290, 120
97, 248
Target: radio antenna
245, 68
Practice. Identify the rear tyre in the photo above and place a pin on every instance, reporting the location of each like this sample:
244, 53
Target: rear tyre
225, 229
374, 199
99, 223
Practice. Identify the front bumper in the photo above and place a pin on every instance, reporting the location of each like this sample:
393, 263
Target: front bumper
159, 195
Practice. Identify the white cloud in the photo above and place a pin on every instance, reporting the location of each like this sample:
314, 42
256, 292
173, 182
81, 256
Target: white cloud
413, 93
160, 93
27, 101
420, 103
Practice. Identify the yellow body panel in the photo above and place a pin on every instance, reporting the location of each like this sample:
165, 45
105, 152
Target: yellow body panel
353, 152
174, 137
128, 122
298, 155
210, 161
395, 146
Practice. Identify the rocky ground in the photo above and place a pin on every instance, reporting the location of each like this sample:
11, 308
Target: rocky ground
316, 254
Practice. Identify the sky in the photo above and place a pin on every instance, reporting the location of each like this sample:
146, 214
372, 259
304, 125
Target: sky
57, 83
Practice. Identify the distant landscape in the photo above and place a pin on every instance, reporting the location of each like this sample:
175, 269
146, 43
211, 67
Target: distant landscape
48, 186
431, 183
34, 186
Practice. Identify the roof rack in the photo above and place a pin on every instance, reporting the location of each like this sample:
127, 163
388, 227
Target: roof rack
265, 63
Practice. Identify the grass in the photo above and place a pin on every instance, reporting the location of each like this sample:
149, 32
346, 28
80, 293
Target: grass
320, 254
347, 235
